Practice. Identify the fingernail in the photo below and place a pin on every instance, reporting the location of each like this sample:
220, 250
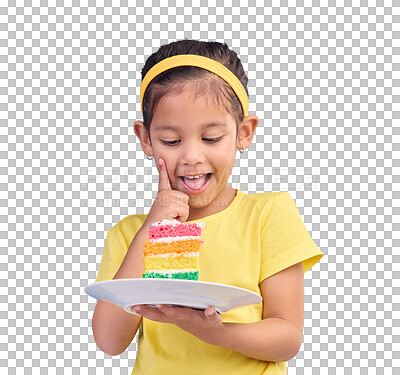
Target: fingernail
158, 306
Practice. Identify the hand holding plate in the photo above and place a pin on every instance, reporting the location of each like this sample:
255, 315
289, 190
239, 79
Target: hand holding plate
206, 324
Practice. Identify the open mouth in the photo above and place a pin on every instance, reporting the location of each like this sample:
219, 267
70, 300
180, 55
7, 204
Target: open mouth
196, 185
208, 175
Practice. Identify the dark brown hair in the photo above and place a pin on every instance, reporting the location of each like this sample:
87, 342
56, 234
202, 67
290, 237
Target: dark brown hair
204, 82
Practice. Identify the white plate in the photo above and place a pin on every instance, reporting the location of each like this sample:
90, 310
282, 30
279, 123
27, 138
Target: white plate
188, 293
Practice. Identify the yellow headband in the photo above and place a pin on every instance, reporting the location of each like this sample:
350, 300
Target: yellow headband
201, 62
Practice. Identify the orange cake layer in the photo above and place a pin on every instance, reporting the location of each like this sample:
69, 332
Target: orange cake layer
187, 246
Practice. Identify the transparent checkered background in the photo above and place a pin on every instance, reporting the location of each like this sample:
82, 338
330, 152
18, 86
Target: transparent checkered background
324, 81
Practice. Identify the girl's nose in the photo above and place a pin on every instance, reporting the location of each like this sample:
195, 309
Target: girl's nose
193, 153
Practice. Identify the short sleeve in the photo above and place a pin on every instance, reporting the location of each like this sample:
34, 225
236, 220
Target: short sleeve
285, 240
115, 249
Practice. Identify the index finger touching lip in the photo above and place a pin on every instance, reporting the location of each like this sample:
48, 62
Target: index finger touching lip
163, 183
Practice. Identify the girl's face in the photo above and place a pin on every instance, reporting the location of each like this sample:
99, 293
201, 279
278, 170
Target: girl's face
195, 137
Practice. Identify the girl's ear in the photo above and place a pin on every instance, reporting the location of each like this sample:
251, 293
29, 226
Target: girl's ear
246, 132
143, 136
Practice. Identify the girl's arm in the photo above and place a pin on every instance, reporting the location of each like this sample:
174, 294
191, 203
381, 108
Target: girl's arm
278, 337
114, 328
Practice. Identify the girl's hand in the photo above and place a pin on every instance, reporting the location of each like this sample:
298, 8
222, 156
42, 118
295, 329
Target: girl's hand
206, 325
169, 204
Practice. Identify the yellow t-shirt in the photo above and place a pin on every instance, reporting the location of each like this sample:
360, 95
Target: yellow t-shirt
256, 236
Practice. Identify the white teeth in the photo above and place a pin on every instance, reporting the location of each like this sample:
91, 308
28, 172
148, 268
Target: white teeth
192, 177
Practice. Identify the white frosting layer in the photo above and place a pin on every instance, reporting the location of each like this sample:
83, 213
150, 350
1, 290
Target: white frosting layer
174, 255
173, 239
175, 222
173, 271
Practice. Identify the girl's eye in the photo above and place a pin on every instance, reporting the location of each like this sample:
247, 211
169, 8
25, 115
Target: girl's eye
169, 143
212, 140
209, 140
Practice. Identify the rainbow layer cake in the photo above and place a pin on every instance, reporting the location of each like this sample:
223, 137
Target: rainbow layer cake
172, 251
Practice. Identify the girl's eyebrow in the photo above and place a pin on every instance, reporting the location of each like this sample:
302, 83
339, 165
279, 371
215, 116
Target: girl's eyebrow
205, 126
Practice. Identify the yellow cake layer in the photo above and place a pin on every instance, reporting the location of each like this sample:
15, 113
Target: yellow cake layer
165, 263
187, 246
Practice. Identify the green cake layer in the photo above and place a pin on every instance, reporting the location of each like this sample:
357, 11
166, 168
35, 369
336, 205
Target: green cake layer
177, 275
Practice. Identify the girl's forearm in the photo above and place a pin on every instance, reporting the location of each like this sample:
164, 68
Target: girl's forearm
272, 339
113, 328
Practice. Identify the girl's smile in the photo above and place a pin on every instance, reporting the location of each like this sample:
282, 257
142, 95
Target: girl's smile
196, 185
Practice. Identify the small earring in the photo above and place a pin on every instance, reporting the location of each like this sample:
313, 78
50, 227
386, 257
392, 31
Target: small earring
150, 158
241, 150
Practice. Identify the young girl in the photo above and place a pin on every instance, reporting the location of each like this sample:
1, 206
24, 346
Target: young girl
194, 103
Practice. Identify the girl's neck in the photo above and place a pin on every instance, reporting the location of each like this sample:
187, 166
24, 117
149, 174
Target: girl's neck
222, 201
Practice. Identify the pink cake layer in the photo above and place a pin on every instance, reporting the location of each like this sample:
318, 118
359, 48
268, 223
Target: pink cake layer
163, 231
